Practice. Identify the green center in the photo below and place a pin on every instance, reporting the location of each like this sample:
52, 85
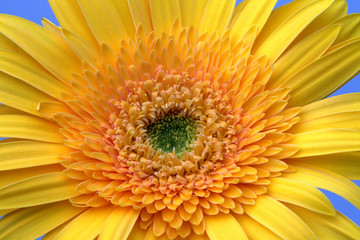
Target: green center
172, 133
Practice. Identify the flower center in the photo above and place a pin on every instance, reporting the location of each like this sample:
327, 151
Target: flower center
172, 133
180, 127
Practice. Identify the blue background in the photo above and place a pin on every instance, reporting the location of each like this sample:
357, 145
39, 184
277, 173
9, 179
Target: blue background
35, 10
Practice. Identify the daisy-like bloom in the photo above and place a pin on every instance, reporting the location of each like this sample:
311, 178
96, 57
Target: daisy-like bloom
179, 119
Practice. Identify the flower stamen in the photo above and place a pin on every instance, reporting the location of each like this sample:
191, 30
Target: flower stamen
172, 134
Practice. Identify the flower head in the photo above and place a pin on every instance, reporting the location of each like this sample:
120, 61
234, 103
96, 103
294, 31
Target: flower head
166, 119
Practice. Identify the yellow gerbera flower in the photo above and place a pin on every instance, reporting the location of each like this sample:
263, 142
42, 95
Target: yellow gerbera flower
179, 119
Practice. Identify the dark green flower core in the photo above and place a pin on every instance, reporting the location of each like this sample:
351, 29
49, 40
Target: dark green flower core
172, 133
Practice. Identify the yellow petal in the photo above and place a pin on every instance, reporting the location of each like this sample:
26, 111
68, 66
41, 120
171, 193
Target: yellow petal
50, 109
349, 27
278, 219
254, 12
23, 154
51, 27
336, 10
8, 45
6, 140
140, 11
254, 230
164, 13
6, 110
328, 227
324, 76
122, 6
70, 16
29, 127
303, 53
192, 11
159, 225
81, 48
47, 188
6, 211
52, 234
3, 212
104, 21
29, 71
17, 94
216, 224
346, 164
282, 37
325, 179
33, 222
47, 48
87, 225
137, 232
150, 235
119, 224
13, 176
338, 46
216, 16
237, 10
279, 16
301, 194
342, 103
326, 141
337, 120
194, 236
